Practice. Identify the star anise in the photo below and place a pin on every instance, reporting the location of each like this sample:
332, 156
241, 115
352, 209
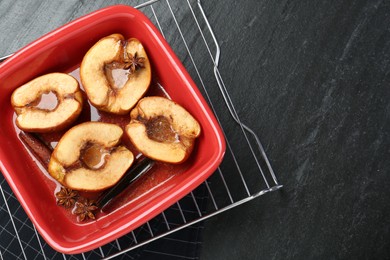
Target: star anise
85, 209
66, 197
133, 62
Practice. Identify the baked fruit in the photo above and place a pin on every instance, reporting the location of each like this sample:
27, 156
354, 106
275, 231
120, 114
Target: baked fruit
162, 130
115, 73
88, 157
47, 103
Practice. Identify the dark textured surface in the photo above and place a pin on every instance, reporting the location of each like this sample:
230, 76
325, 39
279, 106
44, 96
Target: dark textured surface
312, 79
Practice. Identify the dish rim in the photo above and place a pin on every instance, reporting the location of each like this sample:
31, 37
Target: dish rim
219, 152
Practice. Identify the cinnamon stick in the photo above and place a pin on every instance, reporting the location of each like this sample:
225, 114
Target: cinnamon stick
39, 149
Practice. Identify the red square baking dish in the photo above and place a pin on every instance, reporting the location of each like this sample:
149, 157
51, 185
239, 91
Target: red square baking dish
62, 51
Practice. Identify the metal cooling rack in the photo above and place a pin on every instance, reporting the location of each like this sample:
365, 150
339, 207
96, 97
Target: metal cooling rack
244, 174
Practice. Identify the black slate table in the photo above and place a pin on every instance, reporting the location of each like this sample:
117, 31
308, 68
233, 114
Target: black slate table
312, 79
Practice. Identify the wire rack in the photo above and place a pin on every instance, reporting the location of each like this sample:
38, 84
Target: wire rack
244, 174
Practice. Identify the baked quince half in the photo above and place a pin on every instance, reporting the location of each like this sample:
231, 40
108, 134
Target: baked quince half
47, 103
115, 73
89, 157
162, 129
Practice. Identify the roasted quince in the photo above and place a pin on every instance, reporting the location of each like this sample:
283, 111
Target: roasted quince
162, 129
47, 103
89, 157
115, 73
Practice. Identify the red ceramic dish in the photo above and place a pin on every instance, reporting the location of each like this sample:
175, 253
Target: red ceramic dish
62, 50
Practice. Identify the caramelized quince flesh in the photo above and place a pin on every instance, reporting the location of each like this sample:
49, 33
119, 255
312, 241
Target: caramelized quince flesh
48, 103
88, 157
162, 129
115, 73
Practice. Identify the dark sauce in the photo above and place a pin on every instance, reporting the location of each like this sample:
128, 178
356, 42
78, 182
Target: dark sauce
160, 130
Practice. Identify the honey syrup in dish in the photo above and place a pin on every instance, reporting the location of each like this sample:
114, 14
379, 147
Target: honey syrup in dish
143, 187
94, 156
117, 77
47, 101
